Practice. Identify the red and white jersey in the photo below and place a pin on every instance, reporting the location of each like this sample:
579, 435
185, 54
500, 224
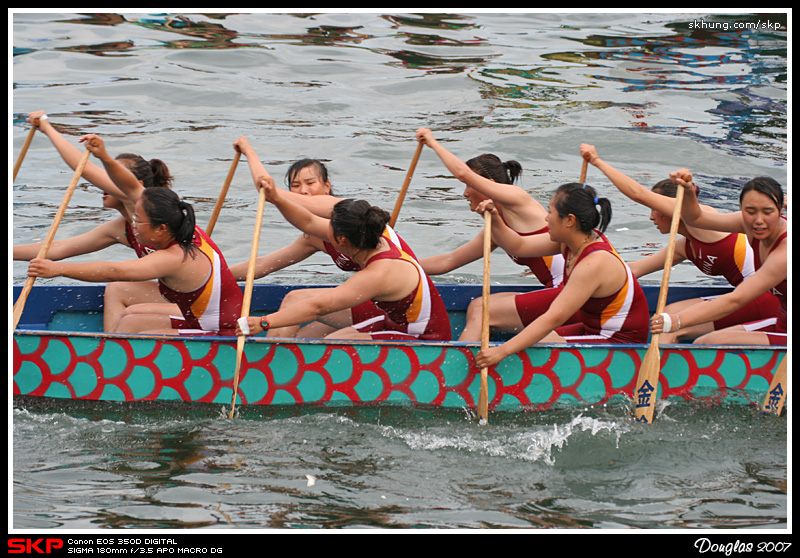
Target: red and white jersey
213, 307
421, 314
731, 257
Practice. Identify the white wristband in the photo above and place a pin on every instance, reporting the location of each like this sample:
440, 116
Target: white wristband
667, 322
244, 326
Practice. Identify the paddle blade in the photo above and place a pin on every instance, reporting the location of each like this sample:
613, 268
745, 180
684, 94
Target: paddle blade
239, 352
776, 395
647, 383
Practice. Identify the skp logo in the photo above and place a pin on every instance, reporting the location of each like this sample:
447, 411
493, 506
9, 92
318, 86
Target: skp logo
34, 546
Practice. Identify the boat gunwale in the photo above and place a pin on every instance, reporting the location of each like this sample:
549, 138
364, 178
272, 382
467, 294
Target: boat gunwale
95, 290
232, 339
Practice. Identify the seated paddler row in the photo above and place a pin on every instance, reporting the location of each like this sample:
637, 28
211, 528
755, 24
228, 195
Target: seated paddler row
179, 281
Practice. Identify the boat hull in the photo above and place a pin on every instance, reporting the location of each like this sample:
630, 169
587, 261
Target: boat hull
85, 365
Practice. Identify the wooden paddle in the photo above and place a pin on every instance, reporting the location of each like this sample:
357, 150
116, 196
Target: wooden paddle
583, 171
24, 149
776, 395
646, 390
404, 189
248, 293
222, 194
19, 305
483, 394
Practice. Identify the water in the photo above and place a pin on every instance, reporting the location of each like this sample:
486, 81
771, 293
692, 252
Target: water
653, 93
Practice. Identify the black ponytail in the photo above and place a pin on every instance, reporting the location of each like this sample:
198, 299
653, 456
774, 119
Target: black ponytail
582, 202
164, 207
359, 222
490, 166
668, 188
152, 173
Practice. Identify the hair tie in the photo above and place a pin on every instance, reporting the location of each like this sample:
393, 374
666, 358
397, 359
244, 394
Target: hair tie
596, 201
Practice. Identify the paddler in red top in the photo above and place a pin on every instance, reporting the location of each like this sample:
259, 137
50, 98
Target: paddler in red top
714, 253
761, 201
389, 278
487, 177
122, 198
310, 187
599, 301
186, 267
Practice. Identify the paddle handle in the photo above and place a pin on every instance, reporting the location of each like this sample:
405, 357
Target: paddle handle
584, 168
19, 305
650, 369
248, 293
223, 193
483, 394
404, 189
670, 254
24, 149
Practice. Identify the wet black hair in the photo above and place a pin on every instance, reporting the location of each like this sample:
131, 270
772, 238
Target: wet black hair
490, 166
359, 222
164, 207
668, 188
299, 165
582, 202
152, 173
767, 186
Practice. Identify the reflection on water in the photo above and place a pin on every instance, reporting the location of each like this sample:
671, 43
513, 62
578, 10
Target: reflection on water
727, 64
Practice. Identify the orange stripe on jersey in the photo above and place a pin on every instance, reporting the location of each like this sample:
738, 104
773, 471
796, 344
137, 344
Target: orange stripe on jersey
415, 308
616, 306
200, 305
742, 255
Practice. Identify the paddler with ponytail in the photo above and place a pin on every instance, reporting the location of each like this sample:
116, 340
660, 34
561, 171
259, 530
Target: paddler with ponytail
185, 267
599, 301
389, 297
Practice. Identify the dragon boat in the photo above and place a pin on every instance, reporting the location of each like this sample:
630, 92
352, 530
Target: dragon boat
60, 351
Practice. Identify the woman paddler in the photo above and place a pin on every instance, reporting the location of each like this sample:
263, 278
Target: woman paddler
714, 253
148, 174
184, 267
761, 201
388, 279
488, 177
310, 187
599, 301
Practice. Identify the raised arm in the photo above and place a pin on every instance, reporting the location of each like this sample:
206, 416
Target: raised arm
320, 205
72, 155
693, 214
300, 217
537, 245
508, 195
627, 185
122, 177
